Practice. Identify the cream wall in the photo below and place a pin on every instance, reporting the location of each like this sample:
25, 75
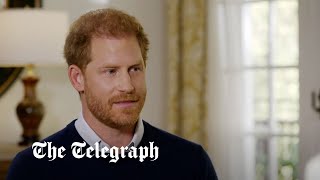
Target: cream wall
54, 90
309, 48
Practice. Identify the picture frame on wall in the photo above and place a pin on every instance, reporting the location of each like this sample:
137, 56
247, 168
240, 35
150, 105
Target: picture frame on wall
9, 75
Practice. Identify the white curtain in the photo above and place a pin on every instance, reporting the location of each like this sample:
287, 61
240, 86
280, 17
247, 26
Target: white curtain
228, 109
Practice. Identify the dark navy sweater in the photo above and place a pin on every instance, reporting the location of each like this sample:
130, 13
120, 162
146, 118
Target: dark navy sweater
178, 159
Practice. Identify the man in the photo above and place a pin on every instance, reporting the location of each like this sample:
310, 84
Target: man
106, 51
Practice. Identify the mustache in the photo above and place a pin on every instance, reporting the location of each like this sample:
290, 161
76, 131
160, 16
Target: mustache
124, 97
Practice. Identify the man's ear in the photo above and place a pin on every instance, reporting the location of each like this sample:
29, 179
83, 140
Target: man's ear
76, 77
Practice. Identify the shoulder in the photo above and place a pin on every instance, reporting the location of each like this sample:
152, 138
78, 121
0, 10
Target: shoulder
20, 166
171, 144
182, 153
65, 136
164, 137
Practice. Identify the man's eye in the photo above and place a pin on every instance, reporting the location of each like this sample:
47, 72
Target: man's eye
111, 71
136, 69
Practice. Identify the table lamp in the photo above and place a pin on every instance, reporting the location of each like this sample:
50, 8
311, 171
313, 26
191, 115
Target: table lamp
30, 38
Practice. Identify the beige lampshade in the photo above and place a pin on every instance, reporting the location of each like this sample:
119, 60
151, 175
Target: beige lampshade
32, 36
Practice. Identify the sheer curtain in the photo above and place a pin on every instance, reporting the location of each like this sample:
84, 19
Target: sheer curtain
227, 94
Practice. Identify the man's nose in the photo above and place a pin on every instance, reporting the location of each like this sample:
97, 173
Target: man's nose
124, 83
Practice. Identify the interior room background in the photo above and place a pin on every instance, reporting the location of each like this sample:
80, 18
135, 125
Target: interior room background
233, 75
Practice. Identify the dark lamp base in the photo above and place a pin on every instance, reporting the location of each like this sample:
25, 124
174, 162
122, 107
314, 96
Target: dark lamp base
28, 140
30, 112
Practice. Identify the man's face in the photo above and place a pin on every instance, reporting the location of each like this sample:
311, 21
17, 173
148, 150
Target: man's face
114, 81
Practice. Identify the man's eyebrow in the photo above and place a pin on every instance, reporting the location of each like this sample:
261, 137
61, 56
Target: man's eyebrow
111, 66
137, 64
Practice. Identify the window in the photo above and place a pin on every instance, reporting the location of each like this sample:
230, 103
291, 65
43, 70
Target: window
270, 50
